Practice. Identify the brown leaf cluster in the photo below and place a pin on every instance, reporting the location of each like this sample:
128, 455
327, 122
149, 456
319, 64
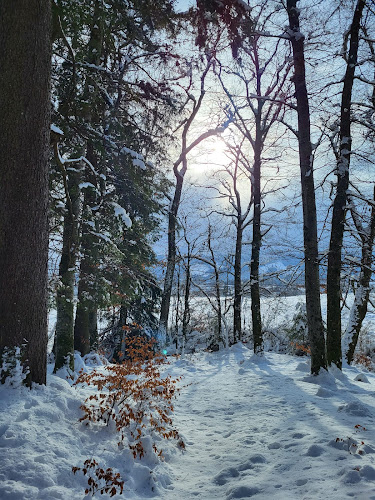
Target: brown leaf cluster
137, 397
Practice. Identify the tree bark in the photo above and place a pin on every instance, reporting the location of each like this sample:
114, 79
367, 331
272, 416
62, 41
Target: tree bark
85, 328
25, 66
215, 344
257, 236
186, 314
254, 266
64, 355
310, 234
334, 354
237, 304
362, 294
171, 259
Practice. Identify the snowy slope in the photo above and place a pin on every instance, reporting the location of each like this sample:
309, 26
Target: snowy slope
252, 428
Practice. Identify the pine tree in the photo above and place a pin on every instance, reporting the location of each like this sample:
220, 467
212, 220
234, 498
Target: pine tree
110, 109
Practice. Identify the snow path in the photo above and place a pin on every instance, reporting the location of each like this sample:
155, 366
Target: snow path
253, 428
259, 428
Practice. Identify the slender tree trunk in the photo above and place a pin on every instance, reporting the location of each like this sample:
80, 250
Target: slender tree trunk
64, 344
362, 293
25, 65
171, 259
93, 328
186, 314
86, 309
173, 211
219, 335
76, 334
84, 327
256, 241
216, 342
237, 322
119, 349
334, 354
310, 234
177, 308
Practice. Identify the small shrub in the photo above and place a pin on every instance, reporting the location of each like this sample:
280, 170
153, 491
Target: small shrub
297, 333
365, 361
301, 349
137, 399
133, 395
352, 446
96, 476
12, 369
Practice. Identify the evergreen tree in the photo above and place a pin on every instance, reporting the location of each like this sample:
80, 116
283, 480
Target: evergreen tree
111, 109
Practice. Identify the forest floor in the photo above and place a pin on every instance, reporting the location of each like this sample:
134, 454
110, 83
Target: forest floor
253, 427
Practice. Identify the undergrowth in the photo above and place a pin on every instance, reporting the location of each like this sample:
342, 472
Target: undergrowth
113, 483
134, 396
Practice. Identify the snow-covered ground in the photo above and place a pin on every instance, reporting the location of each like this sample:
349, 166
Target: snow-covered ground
259, 428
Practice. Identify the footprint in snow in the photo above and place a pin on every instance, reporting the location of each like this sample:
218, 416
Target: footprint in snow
48, 415
274, 446
225, 475
3, 429
249, 441
30, 404
23, 416
315, 451
298, 435
301, 482
41, 459
290, 445
232, 472
242, 491
254, 460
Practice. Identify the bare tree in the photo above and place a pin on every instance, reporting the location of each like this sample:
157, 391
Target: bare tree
179, 170
235, 177
310, 233
263, 76
221, 309
334, 354
362, 293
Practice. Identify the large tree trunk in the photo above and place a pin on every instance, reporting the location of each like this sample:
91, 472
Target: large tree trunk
25, 65
334, 354
312, 282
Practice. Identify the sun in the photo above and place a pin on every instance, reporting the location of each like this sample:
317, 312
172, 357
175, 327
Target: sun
211, 155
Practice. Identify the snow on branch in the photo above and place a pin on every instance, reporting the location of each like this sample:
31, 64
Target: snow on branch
122, 213
138, 159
